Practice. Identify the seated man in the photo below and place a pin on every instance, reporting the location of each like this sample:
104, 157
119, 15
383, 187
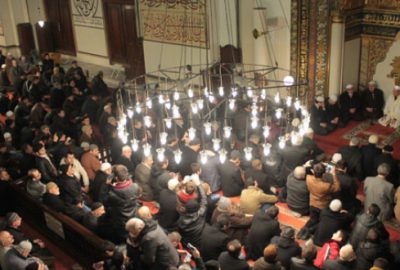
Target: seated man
391, 112
253, 198
34, 187
333, 111
319, 119
372, 102
6, 243
17, 258
350, 102
297, 192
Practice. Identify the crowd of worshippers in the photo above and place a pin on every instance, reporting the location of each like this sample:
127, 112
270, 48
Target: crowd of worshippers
51, 130
327, 115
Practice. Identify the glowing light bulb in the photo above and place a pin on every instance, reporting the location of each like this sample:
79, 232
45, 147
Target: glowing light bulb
282, 142
207, 128
176, 95
211, 98
266, 149
222, 155
203, 157
168, 122
249, 92
277, 98
234, 92
221, 91
168, 105
297, 104
123, 136
163, 138
149, 103
147, 149
178, 156
216, 144
147, 121
161, 99
122, 121
227, 132
192, 133
266, 130
205, 91
135, 145
263, 94
190, 92
195, 109
231, 104
278, 113
41, 23
200, 104
160, 154
254, 122
138, 108
254, 110
248, 153
288, 101
130, 112
175, 112
288, 80
294, 138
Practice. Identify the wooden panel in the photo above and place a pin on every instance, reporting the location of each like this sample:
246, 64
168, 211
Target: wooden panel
230, 54
45, 38
115, 37
58, 14
25, 36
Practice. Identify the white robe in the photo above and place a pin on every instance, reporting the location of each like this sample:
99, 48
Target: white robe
391, 112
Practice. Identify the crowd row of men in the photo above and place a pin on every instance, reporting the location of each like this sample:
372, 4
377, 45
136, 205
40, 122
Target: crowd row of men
197, 224
327, 115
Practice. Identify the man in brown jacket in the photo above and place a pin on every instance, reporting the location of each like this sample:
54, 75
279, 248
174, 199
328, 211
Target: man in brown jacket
90, 161
253, 198
321, 186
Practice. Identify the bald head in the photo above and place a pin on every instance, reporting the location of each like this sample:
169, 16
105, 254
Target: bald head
6, 239
134, 226
299, 173
144, 213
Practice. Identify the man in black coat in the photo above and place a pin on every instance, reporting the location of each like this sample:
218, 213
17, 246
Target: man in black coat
287, 247
265, 226
297, 192
333, 111
231, 177
331, 220
214, 239
319, 120
121, 203
364, 223
127, 159
189, 156
369, 250
350, 105
352, 155
101, 184
44, 163
192, 221
306, 262
373, 102
369, 152
168, 216
387, 157
229, 260
53, 199
256, 173
293, 155
70, 188
99, 87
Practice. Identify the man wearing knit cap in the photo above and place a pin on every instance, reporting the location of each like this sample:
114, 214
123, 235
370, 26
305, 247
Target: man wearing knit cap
373, 102
345, 261
333, 111
350, 105
101, 183
369, 152
332, 219
319, 121
351, 154
391, 113
168, 215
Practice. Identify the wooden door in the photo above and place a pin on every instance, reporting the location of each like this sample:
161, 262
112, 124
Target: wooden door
124, 46
58, 14
26, 40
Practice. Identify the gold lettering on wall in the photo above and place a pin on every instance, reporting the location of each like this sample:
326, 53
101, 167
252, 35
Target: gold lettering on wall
395, 72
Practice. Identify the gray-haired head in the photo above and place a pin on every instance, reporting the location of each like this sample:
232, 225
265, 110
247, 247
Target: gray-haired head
354, 141
299, 172
121, 172
134, 226
24, 247
383, 169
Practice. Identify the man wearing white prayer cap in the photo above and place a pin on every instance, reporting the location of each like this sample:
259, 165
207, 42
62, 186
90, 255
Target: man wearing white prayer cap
350, 105
372, 102
333, 111
319, 120
391, 112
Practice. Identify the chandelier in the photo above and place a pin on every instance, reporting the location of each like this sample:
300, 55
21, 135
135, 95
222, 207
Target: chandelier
205, 102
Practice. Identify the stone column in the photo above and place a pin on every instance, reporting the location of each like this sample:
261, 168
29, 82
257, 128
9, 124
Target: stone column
336, 54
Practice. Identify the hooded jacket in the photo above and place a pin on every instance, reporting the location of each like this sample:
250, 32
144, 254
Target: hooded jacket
365, 222
287, 248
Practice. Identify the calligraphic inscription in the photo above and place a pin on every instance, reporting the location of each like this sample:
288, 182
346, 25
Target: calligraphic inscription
87, 13
180, 22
